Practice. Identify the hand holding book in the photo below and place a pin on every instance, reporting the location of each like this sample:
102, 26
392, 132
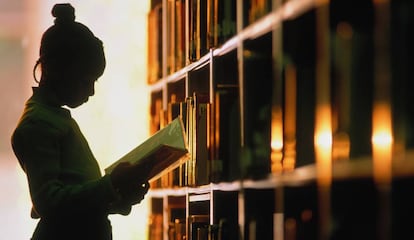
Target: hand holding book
130, 182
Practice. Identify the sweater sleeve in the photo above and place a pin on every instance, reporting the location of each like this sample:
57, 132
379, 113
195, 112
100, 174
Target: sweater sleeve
38, 149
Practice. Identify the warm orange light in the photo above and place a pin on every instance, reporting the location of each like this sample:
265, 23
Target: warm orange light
289, 156
382, 139
382, 142
323, 145
341, 146
277, 140
324, 140
277, 144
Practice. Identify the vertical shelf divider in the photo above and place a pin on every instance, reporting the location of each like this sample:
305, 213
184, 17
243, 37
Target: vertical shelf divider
281, 110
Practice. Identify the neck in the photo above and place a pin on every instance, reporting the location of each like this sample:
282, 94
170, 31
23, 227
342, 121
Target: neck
50, 96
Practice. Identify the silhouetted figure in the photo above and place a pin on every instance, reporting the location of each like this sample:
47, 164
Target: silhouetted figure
71, 199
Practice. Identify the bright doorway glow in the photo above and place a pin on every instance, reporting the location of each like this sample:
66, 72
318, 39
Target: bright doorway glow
116, 119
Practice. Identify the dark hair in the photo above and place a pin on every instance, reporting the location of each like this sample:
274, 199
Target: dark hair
68, 43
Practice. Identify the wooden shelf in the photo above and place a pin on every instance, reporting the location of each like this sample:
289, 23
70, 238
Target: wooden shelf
268, 82
266, 24
403, 167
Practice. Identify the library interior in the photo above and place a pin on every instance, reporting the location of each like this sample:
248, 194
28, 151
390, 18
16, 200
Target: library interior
296, 116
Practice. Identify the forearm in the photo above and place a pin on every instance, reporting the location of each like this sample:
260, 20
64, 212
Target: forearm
54, 197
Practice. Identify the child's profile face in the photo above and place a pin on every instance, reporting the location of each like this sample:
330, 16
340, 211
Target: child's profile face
79, 92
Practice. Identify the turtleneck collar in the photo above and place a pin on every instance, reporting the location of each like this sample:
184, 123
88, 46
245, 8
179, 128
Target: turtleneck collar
44, 96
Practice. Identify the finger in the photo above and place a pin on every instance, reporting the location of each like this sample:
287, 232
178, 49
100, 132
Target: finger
124, 164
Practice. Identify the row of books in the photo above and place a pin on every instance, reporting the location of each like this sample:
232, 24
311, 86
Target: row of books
210, 23
199, 229
211, 131
353, 83
194, 112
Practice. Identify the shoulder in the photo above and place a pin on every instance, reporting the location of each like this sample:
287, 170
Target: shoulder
41, 116
39, 122
39, 131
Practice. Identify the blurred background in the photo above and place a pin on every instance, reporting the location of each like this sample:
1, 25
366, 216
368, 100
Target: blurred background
114, 121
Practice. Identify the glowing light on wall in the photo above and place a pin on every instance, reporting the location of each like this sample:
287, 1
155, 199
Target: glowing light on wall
382, 141
323, 120
323, 114
277, 140
323, 145
382, 138
289, 158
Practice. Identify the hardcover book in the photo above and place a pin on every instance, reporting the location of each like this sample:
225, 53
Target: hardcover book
163, 151
154, 44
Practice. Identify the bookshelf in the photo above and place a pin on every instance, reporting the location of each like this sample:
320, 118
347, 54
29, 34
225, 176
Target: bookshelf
298, 118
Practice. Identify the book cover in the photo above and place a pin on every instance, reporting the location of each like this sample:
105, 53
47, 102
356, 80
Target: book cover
163, 151
224, 164
154, 54
180, 41
155, 112
200, 153
170, 37
221, 21
197, 29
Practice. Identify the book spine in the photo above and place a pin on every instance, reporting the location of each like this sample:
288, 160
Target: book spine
192, 7
198, 27
174, 112
182, 167
179, 34
223, 22
200, 139
154, 44
257, 101
171, 36
189, 174
198, 227
225, 136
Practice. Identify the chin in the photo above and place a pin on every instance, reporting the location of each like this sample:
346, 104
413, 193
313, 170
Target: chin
74, 105
77, 104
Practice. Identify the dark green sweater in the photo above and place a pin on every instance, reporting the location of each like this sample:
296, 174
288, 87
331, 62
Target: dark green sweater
68, 192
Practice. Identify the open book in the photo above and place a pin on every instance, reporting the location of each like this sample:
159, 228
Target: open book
164, 150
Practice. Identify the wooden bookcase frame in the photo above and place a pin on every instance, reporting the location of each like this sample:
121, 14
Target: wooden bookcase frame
281, 192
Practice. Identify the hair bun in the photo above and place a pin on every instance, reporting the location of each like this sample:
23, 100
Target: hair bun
64, 13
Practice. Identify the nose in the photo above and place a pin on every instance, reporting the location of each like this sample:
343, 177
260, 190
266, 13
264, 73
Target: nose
92, 92
91, 89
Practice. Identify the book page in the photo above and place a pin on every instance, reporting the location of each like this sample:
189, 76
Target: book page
160, 151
